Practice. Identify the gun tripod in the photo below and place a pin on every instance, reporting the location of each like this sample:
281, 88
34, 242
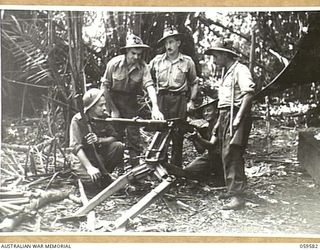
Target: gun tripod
155, 157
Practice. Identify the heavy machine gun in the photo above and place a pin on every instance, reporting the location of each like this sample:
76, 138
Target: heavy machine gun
155, 164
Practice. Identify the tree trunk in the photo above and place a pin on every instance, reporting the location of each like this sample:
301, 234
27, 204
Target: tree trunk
252, 49
76, 50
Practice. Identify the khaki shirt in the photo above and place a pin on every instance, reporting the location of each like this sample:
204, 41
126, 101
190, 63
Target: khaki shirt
119, 77
79, 129
174, 76
243, 84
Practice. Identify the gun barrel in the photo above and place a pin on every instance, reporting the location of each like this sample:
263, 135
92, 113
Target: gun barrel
134, 122
153, 124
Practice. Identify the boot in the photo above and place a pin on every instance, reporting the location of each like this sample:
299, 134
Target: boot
235, 203
224, 196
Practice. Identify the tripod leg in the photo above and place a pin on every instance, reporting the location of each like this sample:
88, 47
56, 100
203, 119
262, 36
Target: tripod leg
115, 186
152, 196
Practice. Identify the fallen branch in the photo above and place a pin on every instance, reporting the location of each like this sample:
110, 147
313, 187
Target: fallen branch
8, 172
9, 223
287, 161
52, 179
10, 194
11, 152
16, 182
21, 148
13, 170
185, 206
23, 200
26, 148
38, 181
10, 206
4, 210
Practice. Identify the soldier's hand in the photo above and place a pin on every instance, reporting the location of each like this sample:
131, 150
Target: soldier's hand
115, 113
192, 136
94, 173
190, 106
91, 138
236, 123
214, 139
156, 114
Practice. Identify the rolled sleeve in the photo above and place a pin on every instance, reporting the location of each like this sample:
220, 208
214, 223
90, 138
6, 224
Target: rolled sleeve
108, 75
192, 74
75, 136
245, 80
147, 78
152, 68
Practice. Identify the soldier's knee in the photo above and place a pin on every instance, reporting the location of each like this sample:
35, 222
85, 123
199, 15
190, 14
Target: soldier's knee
119, 146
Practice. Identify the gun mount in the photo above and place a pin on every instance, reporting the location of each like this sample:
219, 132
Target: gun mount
155, 165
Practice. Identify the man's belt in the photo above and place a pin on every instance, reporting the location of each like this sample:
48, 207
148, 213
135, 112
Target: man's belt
125, 93
172, 93
228, 108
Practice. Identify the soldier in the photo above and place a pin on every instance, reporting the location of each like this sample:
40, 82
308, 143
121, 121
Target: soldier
85, 164
234, 124
209, 162
175, 76
125, 77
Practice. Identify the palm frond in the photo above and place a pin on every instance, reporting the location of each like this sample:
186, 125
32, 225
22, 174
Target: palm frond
28, 45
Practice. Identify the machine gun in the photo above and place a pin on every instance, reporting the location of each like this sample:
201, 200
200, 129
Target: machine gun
152, 124
154, 164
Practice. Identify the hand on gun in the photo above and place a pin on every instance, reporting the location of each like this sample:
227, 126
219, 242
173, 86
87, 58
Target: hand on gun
193, 135
156, 114
91, 138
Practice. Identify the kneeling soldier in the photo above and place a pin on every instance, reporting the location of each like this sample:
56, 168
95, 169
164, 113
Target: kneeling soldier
208, 164
86, 165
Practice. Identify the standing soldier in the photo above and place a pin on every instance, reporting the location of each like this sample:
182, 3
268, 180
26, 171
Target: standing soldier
175, 76
125, 77
234, 124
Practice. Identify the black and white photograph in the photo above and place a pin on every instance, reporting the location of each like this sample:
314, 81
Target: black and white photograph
160, 121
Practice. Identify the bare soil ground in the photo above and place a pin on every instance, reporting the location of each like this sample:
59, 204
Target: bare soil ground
281, 198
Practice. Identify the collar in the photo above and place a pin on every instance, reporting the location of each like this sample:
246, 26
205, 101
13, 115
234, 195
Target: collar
231, 68
165, 57
123, 63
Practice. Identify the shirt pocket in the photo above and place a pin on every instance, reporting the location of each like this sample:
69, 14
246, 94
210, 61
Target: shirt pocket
162, 74
180, 74
227, 82
135, 84
119, 82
